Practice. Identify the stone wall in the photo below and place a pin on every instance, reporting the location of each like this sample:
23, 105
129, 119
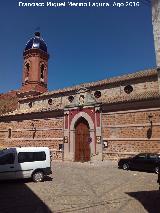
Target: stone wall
34, 132
108, 91
139, 86
156, 28
131, 132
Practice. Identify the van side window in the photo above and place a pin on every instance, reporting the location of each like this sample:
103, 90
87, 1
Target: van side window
31, 156
39, 156
7, 159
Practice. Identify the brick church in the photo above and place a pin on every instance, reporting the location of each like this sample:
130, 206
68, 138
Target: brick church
107, 119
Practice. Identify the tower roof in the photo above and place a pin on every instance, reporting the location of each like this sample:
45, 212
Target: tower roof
36, 42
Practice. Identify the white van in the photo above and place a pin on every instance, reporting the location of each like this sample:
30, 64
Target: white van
25, 162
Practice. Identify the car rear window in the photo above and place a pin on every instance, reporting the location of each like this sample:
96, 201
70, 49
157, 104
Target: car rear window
154, 156
141, 156
31, 156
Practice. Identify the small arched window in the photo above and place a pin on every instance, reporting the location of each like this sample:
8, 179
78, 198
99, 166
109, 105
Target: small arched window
27, 69
42, 71
9, 133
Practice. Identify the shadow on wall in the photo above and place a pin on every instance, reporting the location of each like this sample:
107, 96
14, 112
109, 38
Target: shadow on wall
149, 133
149, 199
16, 197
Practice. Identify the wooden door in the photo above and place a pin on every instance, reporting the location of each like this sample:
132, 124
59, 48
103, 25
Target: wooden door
82, 147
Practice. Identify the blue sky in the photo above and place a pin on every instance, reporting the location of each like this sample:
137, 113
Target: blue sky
85, 44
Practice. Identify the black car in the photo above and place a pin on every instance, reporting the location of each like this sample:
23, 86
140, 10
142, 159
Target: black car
142, 161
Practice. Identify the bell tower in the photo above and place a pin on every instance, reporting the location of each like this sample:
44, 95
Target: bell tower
35, 67
156, 28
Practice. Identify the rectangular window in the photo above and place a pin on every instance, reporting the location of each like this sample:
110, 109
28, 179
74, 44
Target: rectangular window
31, 156
7, 159
9, 133
60, 147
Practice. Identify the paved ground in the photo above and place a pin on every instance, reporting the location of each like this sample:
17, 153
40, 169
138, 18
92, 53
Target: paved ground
83, 187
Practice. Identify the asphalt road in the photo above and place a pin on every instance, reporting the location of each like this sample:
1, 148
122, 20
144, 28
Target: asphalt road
98, 187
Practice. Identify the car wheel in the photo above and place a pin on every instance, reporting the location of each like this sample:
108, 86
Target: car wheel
156, 169
38, 176
125, 166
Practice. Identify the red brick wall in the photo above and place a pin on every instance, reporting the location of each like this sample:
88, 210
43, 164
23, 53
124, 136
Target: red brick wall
130, 132
8, 102
35, 58
45, 132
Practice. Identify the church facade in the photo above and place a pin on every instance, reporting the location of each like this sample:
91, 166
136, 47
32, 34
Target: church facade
108, 119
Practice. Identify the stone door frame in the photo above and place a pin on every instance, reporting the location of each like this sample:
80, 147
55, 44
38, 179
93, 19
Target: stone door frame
91, 130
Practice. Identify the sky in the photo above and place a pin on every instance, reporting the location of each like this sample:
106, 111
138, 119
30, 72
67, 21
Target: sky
85, 43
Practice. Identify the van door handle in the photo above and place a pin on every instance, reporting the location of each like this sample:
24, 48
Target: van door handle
11, 167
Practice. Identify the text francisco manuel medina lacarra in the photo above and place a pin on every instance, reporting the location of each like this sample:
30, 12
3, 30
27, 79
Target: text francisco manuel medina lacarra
78, 4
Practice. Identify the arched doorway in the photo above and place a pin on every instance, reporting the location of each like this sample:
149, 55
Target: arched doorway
82, 140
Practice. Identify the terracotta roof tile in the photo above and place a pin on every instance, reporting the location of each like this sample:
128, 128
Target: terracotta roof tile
133, 97
113, 80
8, 102
132, 76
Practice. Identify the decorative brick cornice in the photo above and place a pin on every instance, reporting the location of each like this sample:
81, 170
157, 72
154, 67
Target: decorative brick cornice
36, 53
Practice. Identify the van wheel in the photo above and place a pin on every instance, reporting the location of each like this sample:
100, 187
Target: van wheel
38, 176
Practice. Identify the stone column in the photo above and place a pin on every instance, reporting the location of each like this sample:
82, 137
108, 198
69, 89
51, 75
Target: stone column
98, 133
66, 135
156, 28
